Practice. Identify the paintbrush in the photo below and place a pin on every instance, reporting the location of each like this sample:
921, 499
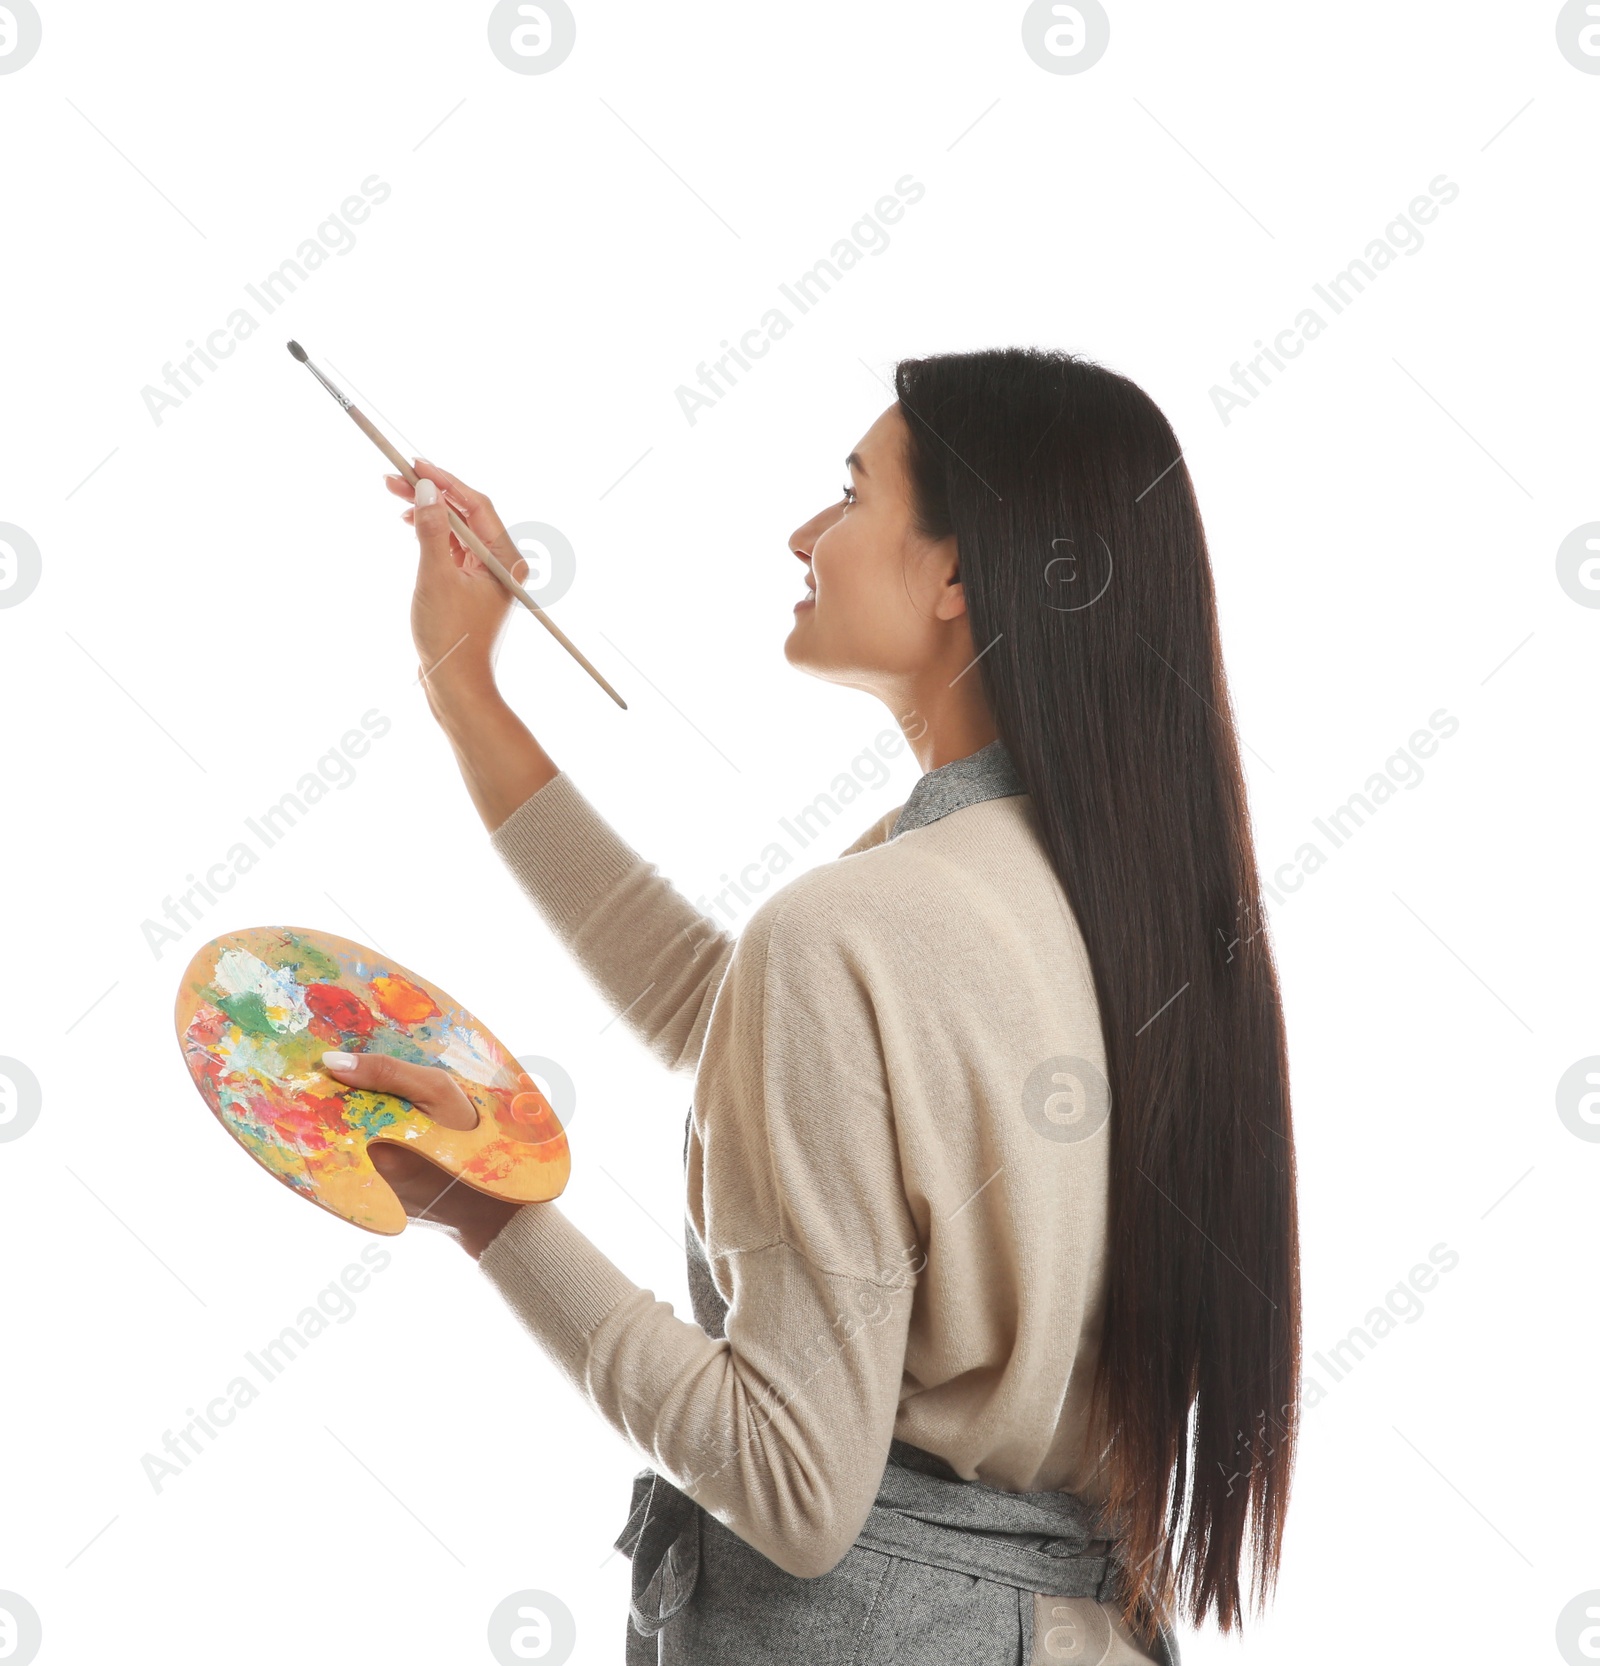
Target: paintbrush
458, 526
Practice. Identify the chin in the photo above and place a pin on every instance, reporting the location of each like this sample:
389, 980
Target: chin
794, 650
805, 655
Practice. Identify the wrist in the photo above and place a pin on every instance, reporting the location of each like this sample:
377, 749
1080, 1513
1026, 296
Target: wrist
477, 1237
460, 693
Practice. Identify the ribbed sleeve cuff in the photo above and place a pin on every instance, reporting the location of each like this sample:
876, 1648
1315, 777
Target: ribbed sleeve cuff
558, 1282
562, 850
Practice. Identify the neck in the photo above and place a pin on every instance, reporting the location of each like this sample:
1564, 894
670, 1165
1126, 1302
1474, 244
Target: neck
942, 723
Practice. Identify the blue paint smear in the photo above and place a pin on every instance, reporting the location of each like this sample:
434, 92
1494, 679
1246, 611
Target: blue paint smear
398, 1045
369, 1119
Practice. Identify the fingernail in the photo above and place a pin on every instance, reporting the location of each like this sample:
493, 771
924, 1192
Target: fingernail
424, 461
339, 1061
427, 494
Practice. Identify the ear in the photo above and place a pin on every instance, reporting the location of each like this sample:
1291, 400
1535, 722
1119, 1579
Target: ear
952, 599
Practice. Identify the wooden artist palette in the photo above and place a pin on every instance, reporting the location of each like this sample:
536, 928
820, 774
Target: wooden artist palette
256, 1010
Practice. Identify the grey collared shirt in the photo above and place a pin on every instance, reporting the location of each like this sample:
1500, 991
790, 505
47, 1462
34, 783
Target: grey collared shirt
987, 773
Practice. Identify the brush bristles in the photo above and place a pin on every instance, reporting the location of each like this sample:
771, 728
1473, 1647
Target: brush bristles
298, 351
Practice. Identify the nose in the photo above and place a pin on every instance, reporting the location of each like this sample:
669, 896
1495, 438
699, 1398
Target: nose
803, 539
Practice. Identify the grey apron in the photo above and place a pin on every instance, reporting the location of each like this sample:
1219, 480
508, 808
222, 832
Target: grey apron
945, 1572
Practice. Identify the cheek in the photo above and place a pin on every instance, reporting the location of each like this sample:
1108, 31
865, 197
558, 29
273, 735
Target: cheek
849, 567
865, 611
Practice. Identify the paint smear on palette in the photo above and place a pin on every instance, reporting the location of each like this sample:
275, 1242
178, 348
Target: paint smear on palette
256, 1010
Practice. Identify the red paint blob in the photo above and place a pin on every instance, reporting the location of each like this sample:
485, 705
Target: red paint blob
342, 1008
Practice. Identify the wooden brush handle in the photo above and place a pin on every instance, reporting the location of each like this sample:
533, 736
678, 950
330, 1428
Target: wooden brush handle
487, 556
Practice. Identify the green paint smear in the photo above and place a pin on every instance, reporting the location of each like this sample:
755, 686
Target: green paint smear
248, 1012
310, 962
302, 1052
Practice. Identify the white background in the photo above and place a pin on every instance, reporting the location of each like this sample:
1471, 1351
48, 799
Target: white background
225, 592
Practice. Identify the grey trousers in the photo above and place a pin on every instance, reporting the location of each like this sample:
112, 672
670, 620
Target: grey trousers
945, 1572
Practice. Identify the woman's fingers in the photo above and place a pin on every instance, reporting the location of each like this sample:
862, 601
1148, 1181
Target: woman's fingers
478, 512
403, 489
468, 501
474, 508
463, 557
429, 1196
462, 553
438, 545
413, 1179
433, 1091
426, 1192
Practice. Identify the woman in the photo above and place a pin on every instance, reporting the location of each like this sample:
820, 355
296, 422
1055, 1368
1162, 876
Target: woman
989, 1166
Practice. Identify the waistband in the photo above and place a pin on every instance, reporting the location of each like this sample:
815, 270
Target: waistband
1051, 1543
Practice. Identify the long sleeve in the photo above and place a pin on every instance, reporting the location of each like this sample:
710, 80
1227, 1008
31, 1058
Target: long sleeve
904, 1240
781, 1428
654, 957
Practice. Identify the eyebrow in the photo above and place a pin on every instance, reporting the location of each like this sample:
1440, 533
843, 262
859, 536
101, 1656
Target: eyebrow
853, 461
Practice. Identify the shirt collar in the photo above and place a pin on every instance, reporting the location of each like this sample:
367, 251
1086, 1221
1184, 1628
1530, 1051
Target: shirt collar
987, 773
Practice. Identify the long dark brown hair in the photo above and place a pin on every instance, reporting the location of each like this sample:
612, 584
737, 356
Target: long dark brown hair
1089, 592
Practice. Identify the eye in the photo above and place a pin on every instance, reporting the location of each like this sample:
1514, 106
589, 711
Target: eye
849, 494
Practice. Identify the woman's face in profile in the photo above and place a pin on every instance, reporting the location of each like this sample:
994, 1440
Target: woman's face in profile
879, 596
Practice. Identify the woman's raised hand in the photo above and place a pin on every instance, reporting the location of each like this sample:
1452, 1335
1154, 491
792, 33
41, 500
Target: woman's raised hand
458, 611
459, 607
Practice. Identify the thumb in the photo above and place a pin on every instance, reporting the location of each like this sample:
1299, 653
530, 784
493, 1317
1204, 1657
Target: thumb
431, 518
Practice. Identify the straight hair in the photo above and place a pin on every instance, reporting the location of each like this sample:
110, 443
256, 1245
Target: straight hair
1090, 596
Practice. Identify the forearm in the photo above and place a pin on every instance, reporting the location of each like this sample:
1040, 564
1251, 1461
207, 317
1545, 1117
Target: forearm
651, 954
780, 1429
500, 761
